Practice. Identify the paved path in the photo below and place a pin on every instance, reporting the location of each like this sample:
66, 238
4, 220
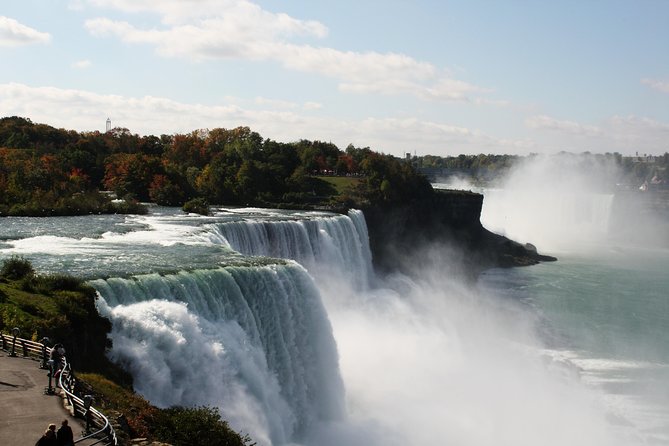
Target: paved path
25, 411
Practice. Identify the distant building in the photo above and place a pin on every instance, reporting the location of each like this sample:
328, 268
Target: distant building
108, 128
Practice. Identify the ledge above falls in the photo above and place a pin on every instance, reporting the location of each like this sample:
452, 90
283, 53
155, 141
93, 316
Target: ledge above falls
401, 234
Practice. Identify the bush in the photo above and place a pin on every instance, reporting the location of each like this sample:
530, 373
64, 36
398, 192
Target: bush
16, 268
197, 205
195, 426
127, 206
57, 282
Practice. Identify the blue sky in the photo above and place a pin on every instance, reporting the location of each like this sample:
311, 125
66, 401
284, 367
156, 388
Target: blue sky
430, 77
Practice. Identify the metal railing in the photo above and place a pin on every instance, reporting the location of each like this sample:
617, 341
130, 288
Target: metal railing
97, 425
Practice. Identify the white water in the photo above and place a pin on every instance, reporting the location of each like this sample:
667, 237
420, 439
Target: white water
254, 341
422, 361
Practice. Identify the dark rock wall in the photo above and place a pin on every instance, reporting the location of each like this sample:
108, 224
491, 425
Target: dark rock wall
401, 234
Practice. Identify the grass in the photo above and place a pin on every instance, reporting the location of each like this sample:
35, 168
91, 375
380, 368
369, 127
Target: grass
341, 184
109, 395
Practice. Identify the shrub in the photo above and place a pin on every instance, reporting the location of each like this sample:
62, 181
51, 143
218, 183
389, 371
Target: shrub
197, 205
130, 207
195, 426
46, 284
16, 268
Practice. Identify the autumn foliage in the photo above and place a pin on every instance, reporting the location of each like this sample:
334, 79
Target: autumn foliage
49, 171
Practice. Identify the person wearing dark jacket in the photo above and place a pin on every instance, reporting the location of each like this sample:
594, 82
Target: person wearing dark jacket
64, 435
49, 437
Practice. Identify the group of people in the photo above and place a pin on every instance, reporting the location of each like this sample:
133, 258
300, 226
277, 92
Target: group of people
62, 437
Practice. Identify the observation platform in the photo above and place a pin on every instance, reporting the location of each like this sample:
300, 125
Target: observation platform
25, 410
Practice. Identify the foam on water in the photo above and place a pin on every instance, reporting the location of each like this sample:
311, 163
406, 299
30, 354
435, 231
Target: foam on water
254, 341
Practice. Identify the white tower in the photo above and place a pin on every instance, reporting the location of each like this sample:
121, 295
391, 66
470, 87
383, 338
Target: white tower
108, 125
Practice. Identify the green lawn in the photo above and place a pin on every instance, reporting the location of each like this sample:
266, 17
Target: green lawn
340, 183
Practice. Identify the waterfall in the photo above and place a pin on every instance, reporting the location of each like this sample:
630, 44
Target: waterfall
252, 340
553, 221
326, 246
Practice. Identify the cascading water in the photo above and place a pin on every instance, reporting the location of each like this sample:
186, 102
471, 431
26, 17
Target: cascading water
423, 360
321, 243
548, 220
255, 339
256, 336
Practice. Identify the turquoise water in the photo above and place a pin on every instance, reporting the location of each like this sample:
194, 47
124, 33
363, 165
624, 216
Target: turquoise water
606, 316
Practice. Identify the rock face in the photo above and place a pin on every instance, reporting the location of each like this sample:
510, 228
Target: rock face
450, 220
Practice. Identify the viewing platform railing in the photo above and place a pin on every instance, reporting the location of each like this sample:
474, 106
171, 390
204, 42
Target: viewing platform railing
97, 425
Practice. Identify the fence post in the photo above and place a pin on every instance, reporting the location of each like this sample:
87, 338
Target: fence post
88, 400
45, 358
50, 390
15, 332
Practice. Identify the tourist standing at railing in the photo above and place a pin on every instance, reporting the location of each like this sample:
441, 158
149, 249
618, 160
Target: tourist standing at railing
64, 435
56, 355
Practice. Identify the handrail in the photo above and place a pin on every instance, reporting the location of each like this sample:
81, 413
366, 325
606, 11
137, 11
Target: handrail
66, 382
28, 348
92, 416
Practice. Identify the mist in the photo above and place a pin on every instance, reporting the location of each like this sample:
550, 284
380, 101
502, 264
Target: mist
570, 203
430, 360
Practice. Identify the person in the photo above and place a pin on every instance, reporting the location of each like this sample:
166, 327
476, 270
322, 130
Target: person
56, 355
49, 437
64, 435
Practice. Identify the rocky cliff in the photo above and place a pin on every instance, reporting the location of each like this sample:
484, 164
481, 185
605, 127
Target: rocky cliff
401, 235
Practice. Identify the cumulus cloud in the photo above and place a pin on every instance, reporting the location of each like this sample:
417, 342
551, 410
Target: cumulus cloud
13, 33
658, 85
239, 29
87, 111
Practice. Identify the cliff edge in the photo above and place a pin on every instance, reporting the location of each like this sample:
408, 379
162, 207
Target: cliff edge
400, 234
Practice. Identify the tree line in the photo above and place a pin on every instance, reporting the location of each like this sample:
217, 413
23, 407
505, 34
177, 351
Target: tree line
50, 171
485, 168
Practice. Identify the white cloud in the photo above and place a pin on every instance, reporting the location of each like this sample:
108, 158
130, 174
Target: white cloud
238, 29
85, 111
547, 123
624, 134
81, 64
13, 33
312, 106
658, 85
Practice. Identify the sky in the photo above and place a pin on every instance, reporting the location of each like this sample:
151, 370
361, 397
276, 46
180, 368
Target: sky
421, 77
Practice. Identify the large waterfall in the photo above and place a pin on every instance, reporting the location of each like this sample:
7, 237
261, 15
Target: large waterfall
551, 221
251, 337
276, 318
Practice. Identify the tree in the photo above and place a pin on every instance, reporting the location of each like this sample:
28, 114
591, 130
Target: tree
164, 192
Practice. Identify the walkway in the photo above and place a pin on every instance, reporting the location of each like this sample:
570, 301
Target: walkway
25, 411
